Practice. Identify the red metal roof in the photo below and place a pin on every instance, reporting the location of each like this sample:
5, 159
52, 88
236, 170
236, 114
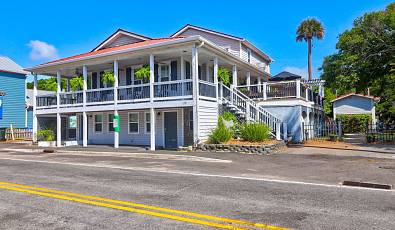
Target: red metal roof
116, 48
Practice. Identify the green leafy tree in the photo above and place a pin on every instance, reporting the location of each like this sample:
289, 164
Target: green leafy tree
49, 84
108, 78
224, 75
308, 30
364, 60
143, 73
77, 83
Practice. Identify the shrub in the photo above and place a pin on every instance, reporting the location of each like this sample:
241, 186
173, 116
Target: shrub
143, 73
254, 132
354, 123
45, 135
224, 75
228, 116
220, 134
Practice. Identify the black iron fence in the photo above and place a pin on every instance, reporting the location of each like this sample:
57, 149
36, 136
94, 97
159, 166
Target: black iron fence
328, 130
380, 132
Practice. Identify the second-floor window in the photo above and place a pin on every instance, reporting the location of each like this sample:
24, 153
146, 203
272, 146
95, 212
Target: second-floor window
164, 72
249, 56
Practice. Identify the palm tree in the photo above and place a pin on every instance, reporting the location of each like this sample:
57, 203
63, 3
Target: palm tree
307, 30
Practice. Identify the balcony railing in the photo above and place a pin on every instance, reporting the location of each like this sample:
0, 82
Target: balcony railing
207, 89
48, 100
98, 96
169, 90
280, 90
71, 98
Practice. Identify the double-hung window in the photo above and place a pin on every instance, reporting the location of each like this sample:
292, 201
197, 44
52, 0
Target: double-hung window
164, 72
249, 56
147, 122
98, 123
110, 122
133, 123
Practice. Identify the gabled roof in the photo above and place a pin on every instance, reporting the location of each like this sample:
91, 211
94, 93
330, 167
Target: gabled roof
113, 49
9, 66
242, 40
285, 76
116, 34
356, 94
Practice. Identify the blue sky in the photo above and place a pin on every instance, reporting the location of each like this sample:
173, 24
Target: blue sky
33, 32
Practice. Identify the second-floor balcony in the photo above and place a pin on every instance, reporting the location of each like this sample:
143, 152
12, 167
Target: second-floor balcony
162, 91
283, 90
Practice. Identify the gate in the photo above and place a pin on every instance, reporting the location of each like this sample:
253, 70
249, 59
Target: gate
328, 130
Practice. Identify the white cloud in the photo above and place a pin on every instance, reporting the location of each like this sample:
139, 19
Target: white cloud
42, 51
298, 71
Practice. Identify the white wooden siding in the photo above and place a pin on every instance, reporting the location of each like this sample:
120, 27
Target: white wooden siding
353, 105
208, 118
233, 45
255, 59
141, 138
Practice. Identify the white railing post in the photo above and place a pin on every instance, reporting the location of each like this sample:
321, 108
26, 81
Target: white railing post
84, 115
264, 91
195, 81
297, 88
259, 84
307, 93
116, 115
215, 76
152, 110
58, 117
234, 82
35, 124
248, 115
278, 130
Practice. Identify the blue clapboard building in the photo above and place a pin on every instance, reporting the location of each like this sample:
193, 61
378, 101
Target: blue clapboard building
12, 94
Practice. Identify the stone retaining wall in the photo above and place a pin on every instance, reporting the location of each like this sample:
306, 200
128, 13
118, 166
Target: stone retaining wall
256, 149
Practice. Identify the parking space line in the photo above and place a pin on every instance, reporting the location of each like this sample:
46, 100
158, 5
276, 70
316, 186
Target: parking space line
224, 223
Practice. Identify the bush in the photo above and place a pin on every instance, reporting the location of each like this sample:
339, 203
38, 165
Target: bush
228, 116
254, 132
354, 123
220, 134
45, 135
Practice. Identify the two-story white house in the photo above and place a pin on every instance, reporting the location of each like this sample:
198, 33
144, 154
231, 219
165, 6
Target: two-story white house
178, 106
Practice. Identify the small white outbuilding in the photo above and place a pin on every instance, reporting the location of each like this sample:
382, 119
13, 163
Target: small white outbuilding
355, 104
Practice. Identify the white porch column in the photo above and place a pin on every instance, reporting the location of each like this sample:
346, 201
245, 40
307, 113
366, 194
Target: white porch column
182, 69
307, 93
35, 125
116, 134
264, 86
84, 115
152, 110
297, 88
58, 117
248, 81
215, 76
195, 82
234, 76
259, 83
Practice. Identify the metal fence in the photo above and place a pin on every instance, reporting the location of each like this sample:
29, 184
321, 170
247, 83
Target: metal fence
380, 132
329, 130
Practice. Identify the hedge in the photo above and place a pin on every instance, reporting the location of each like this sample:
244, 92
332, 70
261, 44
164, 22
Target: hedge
354, 123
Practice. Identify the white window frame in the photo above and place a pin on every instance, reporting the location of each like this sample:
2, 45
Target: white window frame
138, 123
110, 122
167, 63
147, 122
94, 122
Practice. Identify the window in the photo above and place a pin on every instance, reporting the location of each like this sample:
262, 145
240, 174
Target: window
187, 70
110, 122
249, 56
147, 122
133, 122
98, 123
164, 72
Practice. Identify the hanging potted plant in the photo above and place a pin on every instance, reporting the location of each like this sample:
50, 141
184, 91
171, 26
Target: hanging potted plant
224, 75
76, 83
143, 73
108, 78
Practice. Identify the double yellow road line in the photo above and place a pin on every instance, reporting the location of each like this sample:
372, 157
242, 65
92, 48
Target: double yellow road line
189, 217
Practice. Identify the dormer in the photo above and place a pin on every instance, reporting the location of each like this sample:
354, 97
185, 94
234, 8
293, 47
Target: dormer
119, 38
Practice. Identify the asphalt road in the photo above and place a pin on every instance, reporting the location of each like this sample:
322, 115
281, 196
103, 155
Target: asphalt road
144, 179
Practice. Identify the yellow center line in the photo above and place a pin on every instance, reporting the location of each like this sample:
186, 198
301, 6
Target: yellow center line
171, 211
